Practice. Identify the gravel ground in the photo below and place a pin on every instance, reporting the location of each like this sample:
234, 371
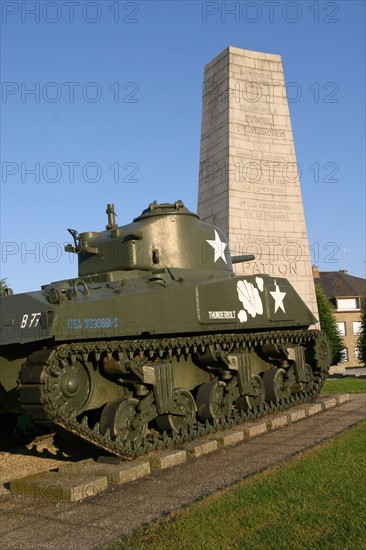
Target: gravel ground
41, 455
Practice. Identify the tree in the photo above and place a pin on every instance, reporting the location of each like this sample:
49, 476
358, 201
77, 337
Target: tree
362, 338
3, 286
328, 324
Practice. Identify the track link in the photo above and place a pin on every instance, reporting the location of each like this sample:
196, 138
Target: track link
42, 369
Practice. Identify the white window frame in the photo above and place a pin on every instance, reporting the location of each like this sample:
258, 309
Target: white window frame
355, 306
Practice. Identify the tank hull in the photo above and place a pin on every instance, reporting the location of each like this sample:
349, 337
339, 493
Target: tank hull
159, 303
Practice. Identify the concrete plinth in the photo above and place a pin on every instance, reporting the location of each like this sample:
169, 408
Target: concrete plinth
115, 473
200, 448
252, 430
313, 409
329, 403
277, 422
228, 437
296, 414
167, 459
53, 485
342, 398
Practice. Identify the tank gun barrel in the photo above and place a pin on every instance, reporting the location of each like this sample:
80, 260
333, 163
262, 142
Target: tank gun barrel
241, 259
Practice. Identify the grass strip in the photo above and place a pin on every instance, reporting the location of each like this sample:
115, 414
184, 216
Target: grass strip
316, 501
345, 385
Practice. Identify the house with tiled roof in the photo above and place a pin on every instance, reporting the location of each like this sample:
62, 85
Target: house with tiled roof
346, 294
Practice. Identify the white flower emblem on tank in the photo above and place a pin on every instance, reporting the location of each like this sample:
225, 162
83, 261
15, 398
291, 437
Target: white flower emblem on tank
249, 296
260, 283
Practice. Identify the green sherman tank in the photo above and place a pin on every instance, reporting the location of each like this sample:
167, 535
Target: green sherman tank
156, 341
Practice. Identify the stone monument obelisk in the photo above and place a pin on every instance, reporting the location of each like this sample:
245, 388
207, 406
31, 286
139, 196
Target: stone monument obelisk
249, 184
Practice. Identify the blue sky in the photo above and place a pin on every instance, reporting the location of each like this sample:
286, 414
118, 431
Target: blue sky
115, 116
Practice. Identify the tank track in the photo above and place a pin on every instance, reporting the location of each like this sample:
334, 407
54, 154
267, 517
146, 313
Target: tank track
42, 370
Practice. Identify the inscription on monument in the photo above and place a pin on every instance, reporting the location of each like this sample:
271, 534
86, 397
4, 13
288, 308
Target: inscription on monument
264, 132
258, 120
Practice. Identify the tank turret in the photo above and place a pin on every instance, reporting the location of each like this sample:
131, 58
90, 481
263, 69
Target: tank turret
163, 236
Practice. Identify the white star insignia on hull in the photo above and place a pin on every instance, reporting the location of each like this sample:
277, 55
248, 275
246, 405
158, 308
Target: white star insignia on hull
278, 297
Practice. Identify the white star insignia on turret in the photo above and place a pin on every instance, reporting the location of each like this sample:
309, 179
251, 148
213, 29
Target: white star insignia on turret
278, 297
219, 247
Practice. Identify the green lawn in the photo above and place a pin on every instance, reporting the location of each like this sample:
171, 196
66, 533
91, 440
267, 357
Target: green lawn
345, 385
316, 502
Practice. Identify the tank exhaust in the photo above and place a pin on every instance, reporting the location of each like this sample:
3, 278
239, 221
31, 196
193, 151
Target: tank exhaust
111, 217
